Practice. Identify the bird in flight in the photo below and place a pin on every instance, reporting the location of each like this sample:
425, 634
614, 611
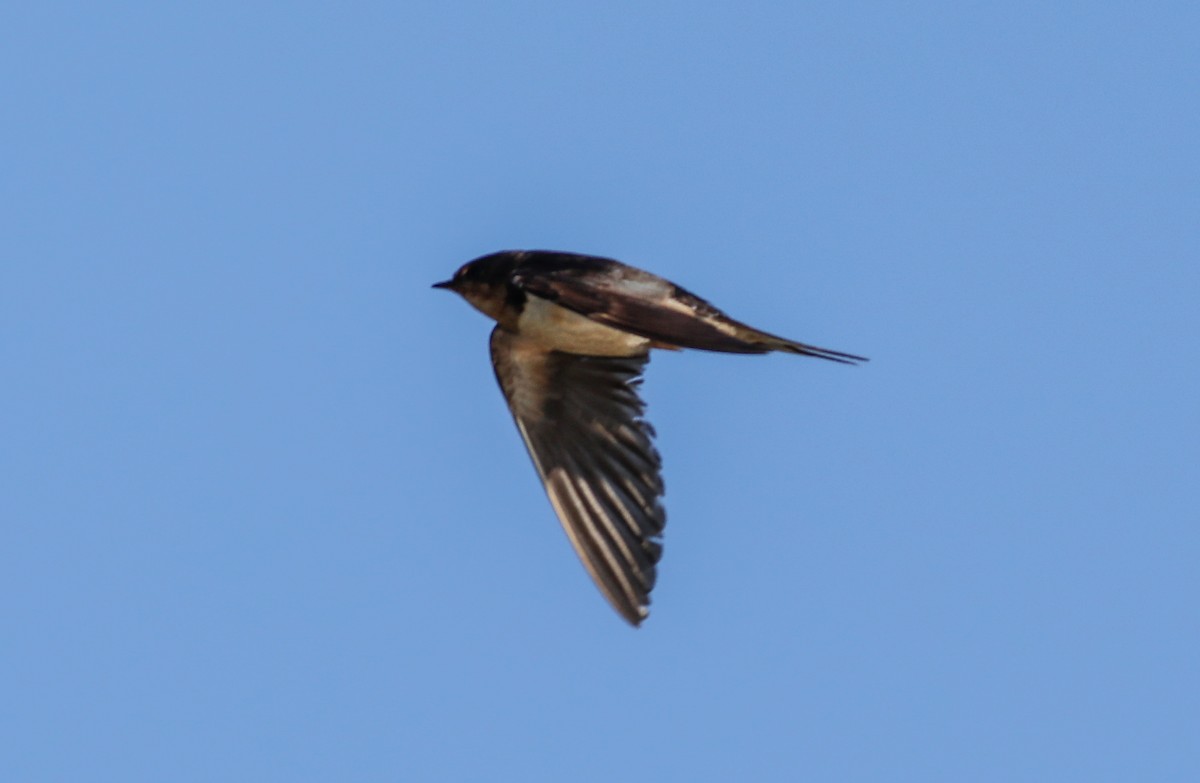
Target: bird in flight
573, 334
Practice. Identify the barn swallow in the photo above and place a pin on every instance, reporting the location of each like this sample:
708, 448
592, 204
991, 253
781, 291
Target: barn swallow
573, 335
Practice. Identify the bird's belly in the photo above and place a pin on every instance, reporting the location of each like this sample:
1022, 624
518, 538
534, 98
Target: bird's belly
565, 330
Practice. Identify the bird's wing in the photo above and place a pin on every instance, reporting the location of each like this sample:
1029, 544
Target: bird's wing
636, 301
581, 419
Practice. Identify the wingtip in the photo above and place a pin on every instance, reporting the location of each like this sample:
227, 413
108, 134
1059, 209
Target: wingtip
631, 610
636, 619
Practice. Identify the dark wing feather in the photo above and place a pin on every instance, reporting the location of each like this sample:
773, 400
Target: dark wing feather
635, 301
644, 304
581, 419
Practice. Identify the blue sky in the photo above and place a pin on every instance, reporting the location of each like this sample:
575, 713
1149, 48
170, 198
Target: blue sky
267, 518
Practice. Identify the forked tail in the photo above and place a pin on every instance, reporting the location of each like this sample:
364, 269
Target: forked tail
789, 346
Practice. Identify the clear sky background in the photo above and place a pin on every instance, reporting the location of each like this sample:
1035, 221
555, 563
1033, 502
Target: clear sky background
265, 515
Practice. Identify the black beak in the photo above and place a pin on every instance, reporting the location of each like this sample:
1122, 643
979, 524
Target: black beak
445, 284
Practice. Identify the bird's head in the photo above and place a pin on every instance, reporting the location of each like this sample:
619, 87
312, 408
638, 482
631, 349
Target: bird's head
484, 282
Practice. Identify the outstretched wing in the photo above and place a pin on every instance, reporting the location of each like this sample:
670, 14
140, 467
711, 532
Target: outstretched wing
581, 419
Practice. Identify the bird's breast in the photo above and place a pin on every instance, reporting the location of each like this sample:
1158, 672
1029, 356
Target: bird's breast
564, 330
